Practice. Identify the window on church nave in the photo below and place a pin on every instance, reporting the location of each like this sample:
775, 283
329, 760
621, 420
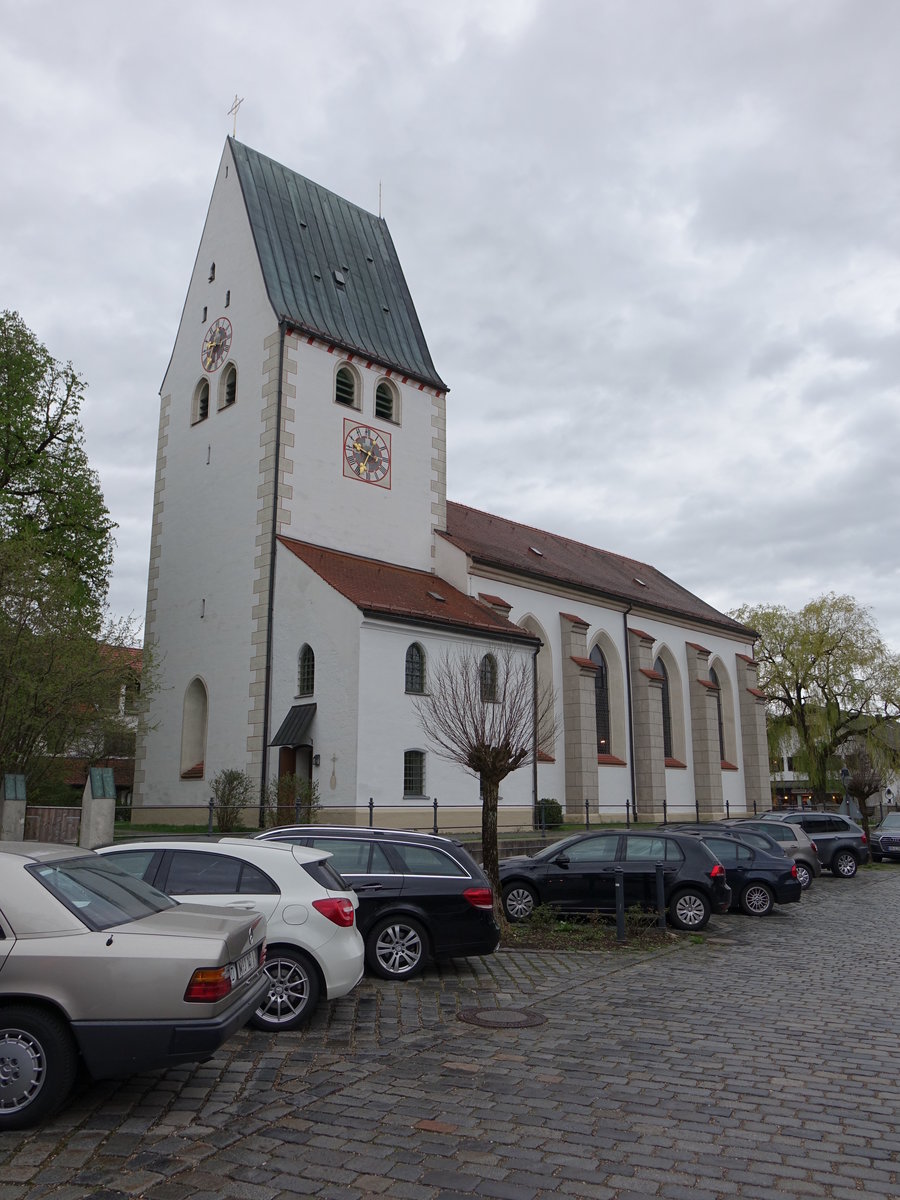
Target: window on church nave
306, 671
714, 679
387, 405
415, 669
414, 773
346, 388
601, 701
488, 679
200, 407
660, 667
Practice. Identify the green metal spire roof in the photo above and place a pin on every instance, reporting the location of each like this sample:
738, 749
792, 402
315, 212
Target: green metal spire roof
330, 268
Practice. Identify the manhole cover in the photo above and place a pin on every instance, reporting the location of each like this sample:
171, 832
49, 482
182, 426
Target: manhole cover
501, 1018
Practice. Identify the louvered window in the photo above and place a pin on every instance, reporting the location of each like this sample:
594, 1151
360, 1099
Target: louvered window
384, 402
230, 386
345, 387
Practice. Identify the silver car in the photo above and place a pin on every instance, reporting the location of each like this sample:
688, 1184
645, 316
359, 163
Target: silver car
99, 969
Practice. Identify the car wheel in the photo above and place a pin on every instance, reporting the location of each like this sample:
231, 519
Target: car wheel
293, 993
844, 864
519, 901
689, 910
38, 1061
804, 875
757, 900
396, 948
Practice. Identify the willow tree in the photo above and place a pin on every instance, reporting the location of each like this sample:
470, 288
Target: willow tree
487, 712
828, 677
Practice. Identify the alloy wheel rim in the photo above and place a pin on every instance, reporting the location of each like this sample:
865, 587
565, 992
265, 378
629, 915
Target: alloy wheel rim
519, 903
399, 949
757, 899
690, 910
804, 877
288, 992
846, 864
23, 1069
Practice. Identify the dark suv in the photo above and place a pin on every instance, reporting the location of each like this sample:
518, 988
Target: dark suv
578, 874
420, 896
840, 843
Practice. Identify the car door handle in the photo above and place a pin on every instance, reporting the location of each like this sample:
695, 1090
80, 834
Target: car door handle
366, 887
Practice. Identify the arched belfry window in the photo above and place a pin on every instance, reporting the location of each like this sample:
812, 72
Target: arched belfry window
601, 700
346, 387
714, 679
387, 407
228, 387
415, 669
194, 719
200, 406
306, 671
660, 667
488, 679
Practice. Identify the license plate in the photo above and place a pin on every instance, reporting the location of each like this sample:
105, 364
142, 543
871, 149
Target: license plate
244, 966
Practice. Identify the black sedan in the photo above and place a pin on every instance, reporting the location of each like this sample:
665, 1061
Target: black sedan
758, 880
578, 874
885, 839
420, 896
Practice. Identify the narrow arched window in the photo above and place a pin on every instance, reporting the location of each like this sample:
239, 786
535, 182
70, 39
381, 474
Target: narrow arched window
413, 773
714, 679
193, 730
601, 701
306, 671
660, 667
386, 407
345, 387
488, 679
415, 669
229, 386
200, 407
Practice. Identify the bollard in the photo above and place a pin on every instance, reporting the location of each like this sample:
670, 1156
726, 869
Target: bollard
620, 905
371, 812
209, 823
435, 807
660, 896
587, 814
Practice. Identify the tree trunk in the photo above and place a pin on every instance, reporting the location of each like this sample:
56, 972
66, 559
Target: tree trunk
490, 790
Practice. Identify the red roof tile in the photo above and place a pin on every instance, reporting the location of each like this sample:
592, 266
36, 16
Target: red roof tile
498, 542
402, 594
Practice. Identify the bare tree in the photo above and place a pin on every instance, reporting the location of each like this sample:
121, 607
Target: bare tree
870, 762
487, 713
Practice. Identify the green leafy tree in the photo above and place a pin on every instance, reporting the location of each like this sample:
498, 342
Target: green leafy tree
63, 662
483, 712
827, 676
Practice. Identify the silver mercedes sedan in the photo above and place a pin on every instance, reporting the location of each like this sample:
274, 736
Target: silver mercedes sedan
99, 969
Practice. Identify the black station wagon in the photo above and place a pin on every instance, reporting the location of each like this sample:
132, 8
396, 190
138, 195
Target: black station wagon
420, 896
578, 874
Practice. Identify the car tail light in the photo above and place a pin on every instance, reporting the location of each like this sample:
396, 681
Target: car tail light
815, 847
863, 838
718, 872
794, 870
209, 984
479, 897
339, 911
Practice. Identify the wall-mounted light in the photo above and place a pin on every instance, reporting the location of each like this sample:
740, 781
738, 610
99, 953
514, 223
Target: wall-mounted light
317, 758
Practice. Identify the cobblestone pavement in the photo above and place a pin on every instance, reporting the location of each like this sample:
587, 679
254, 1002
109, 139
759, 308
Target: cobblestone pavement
756, 1064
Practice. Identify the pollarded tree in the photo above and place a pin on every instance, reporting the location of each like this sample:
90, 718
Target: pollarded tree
487, 712
826, 674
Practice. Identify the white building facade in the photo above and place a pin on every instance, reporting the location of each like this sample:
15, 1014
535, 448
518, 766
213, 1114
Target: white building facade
306, 567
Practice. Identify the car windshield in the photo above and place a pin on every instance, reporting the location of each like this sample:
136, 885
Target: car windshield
891, 821
99, 892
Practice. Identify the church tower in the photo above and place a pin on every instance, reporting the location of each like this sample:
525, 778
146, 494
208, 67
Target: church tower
301, 401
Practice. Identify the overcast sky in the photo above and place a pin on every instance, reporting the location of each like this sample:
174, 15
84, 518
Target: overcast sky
654, 246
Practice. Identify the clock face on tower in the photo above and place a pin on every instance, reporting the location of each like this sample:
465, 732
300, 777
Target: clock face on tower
216, 344
367, 454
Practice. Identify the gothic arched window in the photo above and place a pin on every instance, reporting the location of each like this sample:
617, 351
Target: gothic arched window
488, 679
306, 671
715, 679
415, 669
660, 667
601, 700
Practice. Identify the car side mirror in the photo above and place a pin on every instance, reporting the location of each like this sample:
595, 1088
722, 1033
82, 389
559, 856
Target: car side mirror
562, 860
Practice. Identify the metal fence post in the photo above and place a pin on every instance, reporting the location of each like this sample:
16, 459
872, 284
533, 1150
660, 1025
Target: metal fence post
209, 822
371, 811
620, 905
435, 807
543, 816
665, 810
660, 896
587, 814
627, 812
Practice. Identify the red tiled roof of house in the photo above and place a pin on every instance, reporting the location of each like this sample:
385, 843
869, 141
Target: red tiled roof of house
75, 772
401, 593
498, 542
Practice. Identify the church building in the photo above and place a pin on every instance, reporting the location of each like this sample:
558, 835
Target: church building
307, 570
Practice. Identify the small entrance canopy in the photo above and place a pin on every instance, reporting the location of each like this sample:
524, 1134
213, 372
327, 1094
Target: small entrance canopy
293, 729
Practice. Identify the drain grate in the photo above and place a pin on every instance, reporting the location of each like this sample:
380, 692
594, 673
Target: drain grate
501, 1018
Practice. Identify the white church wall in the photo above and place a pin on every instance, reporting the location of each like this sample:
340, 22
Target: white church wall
201, 616
391, 523
309, 611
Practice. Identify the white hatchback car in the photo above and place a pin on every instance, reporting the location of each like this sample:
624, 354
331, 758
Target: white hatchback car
314, 946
